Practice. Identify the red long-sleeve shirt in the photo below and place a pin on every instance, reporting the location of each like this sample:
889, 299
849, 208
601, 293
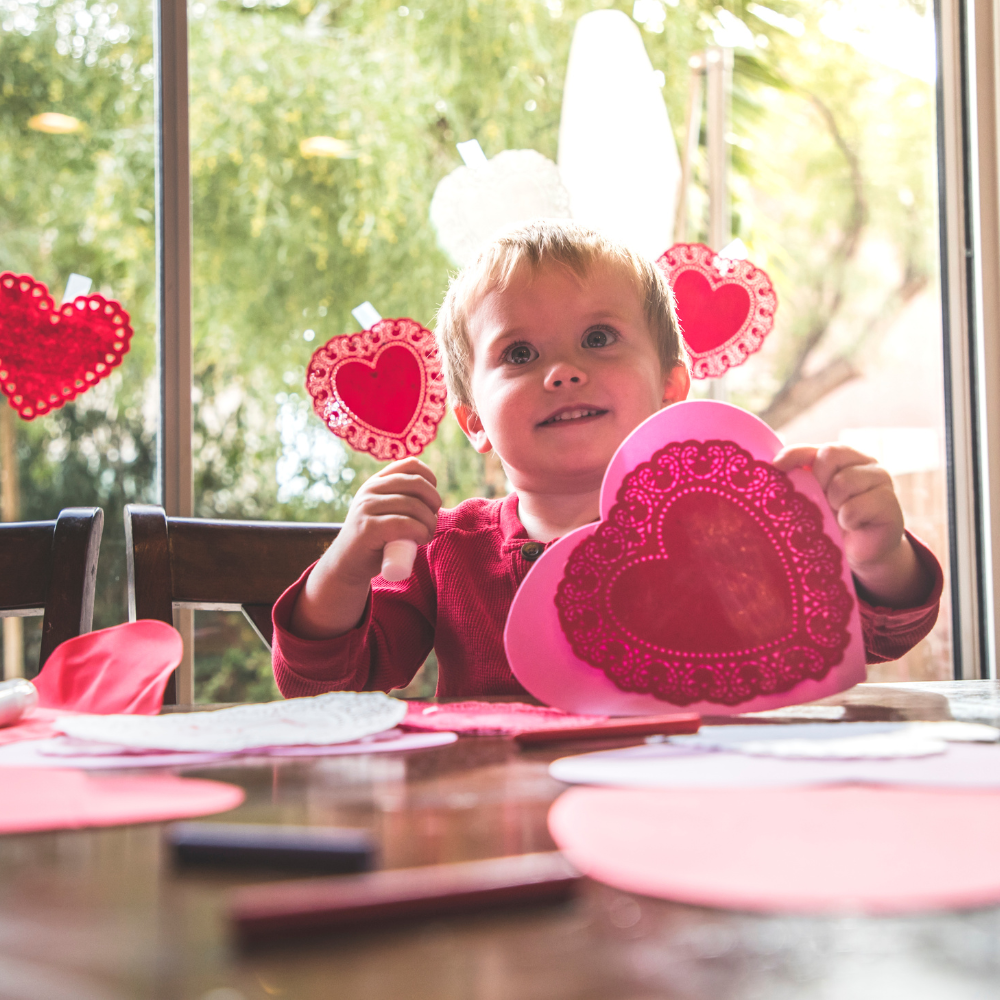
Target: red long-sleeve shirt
456, 601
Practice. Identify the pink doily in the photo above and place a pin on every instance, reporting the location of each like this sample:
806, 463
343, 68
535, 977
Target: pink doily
381, 390
49, 355
711, 579
725, 307
481, 718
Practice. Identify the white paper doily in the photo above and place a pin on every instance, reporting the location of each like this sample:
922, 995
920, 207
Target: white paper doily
843, 741
338, 717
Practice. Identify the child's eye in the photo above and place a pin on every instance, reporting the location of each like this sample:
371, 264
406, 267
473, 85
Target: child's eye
598, 338
520, 354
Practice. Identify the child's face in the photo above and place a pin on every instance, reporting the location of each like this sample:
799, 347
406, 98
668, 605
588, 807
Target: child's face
563, 370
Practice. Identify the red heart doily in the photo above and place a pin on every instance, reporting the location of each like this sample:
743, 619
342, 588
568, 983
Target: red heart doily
725, 307
381, 390
757, 601
49, 356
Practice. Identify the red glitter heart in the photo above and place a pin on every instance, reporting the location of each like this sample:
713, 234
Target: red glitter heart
725, 307
381, 390
711, 579
48, 356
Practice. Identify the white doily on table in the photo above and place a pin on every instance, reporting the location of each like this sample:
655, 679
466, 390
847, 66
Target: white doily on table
326, 719
471, 204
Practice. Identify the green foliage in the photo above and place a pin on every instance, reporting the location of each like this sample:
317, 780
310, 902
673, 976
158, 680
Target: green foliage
232, 663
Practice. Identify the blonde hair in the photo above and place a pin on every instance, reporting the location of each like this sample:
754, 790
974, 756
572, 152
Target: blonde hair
534, 245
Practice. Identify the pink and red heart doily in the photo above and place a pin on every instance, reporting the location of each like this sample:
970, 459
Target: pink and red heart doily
49, 355
725, 307
712, 581
381, 390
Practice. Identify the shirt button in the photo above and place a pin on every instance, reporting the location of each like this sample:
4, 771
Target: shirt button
532, 550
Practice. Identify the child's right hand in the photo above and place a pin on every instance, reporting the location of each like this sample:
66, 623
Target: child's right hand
401, 501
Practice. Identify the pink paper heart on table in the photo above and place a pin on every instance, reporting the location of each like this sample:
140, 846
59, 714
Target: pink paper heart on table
118, 670
725, 308
50, 799
713, 581
381, 390
846, 849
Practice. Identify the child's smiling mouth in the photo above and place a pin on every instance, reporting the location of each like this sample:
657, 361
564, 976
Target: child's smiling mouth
572, 414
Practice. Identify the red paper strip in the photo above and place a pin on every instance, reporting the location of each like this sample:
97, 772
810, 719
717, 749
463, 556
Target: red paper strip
267, 913
663, 725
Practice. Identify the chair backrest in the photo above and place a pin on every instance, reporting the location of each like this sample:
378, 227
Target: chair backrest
49, 568
215, 565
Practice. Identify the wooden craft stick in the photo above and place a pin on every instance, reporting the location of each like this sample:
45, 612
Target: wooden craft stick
280, 910
657, 725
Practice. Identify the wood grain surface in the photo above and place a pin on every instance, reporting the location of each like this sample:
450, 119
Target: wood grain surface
104, 914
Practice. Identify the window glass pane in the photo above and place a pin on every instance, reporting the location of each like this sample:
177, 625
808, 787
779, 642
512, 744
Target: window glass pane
320, 132
76, 157
835, 191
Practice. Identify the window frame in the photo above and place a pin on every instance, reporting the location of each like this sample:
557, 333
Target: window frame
968, 52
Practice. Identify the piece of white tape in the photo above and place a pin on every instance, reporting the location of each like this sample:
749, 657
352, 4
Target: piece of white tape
366, 314
472, 153
76, 285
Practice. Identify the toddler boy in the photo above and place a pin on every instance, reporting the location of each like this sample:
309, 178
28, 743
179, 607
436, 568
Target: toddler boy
557, 342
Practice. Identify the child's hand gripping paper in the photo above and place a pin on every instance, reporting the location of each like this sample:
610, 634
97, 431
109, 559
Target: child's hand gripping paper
861, 494
398, 504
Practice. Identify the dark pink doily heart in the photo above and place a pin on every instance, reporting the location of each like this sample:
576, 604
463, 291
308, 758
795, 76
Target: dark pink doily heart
725, 307
712, 581
49, 355
381, 390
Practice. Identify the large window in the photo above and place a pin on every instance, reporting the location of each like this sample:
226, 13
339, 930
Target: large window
319, 133
76, 157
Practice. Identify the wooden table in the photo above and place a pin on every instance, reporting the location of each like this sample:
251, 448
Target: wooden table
102, 915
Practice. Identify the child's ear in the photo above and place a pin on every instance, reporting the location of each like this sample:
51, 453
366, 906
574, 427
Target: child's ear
677, 384
470, 423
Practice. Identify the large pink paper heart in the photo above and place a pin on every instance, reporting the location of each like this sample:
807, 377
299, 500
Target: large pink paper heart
119, 670
713, 581
381, 390
725, 307
846, 849
49, 356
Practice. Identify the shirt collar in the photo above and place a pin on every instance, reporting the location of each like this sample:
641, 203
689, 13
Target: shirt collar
511, 529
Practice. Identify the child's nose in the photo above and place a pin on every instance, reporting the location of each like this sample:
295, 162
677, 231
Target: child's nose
564, 374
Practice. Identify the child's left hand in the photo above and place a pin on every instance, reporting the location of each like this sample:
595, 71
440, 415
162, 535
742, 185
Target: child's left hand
862, 497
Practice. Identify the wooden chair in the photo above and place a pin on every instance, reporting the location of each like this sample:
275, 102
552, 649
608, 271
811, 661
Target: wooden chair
215, 565
49, 568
